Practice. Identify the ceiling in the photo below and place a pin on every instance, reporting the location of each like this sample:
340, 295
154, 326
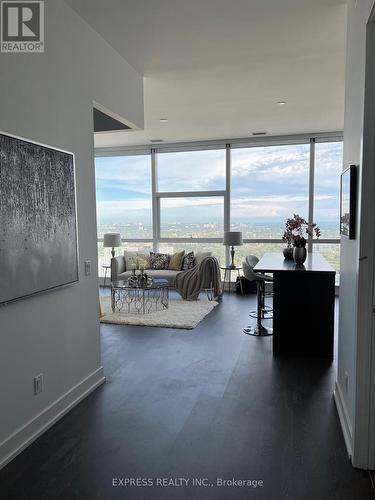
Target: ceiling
216, 69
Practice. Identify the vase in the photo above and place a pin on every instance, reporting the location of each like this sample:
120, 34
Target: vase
299, 255
288, 253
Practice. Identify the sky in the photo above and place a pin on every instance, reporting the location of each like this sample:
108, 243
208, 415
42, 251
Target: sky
268, 184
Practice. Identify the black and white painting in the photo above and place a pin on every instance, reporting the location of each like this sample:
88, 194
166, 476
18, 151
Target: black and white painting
38, 232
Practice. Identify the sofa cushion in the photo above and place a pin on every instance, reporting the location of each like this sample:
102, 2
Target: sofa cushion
159, 260
138, 259
175, 261
130, 259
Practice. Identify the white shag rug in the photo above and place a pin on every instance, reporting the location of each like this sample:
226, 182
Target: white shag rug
180, 314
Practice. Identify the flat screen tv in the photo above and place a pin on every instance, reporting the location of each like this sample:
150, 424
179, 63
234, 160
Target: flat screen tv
38, 221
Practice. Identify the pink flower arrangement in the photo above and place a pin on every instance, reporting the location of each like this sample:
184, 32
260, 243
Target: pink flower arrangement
297, 230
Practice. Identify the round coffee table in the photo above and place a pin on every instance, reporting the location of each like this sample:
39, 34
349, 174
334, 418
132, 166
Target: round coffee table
139, 299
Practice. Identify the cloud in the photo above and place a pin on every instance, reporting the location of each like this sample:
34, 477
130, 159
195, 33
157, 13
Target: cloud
172, 203
207, 208
192, 170
268, 166
124, 205
128, 173
267, 182
281, 199
263, 167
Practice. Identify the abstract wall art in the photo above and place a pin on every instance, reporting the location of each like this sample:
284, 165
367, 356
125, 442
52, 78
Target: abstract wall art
38, 225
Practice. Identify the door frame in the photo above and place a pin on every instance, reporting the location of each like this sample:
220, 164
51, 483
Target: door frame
363, 449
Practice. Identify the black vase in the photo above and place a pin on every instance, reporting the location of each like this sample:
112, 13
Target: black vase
299, 255
288, 253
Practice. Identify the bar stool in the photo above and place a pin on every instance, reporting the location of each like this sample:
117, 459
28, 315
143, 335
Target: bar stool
263, 311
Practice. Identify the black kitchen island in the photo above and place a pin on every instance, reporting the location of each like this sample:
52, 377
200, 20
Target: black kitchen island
303, 304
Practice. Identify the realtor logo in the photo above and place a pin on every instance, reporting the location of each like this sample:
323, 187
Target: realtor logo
22, 26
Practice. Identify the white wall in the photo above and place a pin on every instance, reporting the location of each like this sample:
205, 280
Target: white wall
350, 293
48, 98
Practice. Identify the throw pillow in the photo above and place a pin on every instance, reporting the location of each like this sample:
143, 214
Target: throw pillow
159, 260
199, 256
175, 261
130, 260
139, 259
188, 261
143, 261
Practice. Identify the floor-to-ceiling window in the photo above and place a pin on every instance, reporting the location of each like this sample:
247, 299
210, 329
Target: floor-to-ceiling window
191, 200
170, 199
268, 185
327, 167
124, 202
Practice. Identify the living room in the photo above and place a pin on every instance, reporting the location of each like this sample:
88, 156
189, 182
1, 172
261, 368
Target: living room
200, 324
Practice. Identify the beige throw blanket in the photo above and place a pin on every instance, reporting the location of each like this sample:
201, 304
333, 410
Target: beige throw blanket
205, 275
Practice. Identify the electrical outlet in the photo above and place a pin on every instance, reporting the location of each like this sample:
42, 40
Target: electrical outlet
87, 267
38, 384
346, 381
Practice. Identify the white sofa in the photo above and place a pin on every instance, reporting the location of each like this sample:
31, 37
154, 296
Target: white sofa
119, 271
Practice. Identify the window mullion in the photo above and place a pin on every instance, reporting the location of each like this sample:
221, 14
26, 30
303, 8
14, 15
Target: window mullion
311, 190
227, 201
155, 201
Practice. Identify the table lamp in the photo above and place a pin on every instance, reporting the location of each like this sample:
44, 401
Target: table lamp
112, 240
233, 239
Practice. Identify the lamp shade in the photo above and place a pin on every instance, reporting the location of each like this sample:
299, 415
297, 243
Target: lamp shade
233, 238
112, 240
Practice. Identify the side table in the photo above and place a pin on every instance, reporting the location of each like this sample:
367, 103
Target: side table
228, 276
106, 267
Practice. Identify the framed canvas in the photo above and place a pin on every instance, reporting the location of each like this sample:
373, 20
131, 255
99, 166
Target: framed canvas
348, 191
38, 220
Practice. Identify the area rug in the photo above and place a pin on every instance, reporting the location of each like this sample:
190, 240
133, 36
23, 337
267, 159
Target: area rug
180, 314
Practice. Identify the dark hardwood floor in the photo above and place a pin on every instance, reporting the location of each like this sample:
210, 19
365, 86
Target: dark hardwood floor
206, 403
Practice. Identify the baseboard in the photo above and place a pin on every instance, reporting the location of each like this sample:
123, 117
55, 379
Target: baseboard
344, 418
25, 435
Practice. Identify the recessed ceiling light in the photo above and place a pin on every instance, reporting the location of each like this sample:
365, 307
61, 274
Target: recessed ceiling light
163, 120
281, 103
259, 133
156, 140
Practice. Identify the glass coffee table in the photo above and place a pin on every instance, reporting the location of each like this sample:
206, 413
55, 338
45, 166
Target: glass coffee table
139, 299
